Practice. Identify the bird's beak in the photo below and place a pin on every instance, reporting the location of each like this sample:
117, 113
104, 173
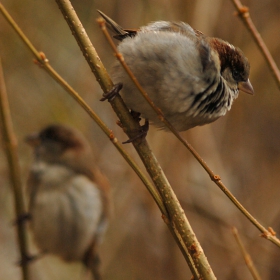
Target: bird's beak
246, 87
33, 139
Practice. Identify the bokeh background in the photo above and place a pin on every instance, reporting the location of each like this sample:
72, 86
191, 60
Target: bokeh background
242, 147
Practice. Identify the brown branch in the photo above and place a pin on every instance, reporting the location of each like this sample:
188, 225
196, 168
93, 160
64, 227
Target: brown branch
176, 219
243, 13
246, 256
215, 178
10, 142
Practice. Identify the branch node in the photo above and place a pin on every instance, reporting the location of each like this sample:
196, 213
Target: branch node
216, 178
265, 234
165, 219
42, 61
119, 123
242, 11
272, 232
101, 22
119, 56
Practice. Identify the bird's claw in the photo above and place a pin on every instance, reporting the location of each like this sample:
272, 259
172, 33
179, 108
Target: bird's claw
142, 133
22, 218
26, 259
110, 95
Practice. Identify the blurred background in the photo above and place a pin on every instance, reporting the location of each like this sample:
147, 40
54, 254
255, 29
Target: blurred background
243, 147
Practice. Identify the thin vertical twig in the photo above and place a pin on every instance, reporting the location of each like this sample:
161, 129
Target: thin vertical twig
10, 143
246, 256
243, 13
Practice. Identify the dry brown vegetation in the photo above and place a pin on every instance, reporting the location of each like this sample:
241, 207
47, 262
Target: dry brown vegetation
243, 147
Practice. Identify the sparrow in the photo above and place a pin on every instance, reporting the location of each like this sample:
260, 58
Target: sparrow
68, 196
193, 79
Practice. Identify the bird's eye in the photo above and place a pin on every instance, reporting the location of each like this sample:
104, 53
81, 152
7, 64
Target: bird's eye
235, 74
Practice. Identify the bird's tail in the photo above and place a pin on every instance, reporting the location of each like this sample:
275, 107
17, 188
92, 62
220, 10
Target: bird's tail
119, 32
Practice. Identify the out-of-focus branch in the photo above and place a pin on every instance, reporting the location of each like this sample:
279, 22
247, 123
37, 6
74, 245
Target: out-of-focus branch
243, 12
10, 143
246, 256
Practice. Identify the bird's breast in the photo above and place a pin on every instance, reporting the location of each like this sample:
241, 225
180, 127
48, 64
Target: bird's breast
65, 215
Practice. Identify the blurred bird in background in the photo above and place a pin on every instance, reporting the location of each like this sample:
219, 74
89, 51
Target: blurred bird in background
68, 196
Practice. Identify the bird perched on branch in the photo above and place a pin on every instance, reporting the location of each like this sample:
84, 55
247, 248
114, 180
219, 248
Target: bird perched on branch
68, 196
192, 78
